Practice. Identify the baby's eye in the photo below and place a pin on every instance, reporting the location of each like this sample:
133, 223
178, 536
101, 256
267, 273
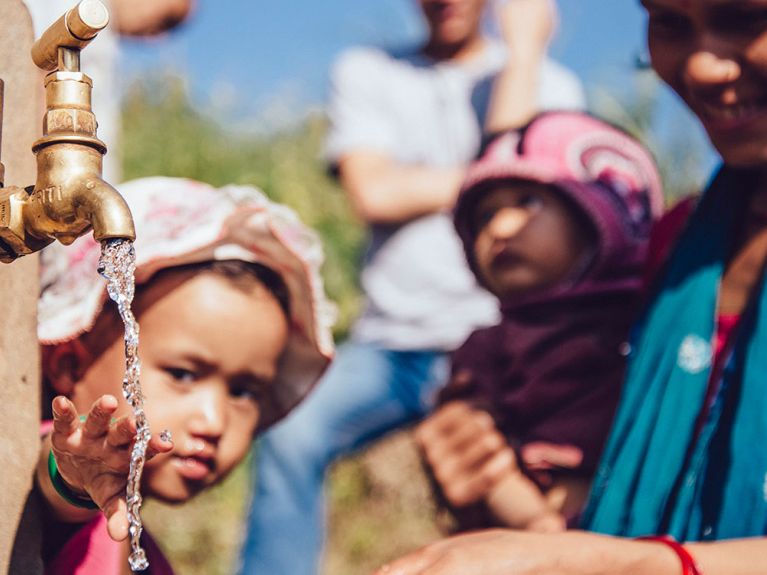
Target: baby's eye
530, 201
483, 217
668, 24
741, 21
181, 374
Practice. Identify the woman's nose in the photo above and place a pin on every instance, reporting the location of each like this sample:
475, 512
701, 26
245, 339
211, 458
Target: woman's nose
508, 222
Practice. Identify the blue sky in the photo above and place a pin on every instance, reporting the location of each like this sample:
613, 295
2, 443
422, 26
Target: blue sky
256, 59
266, 49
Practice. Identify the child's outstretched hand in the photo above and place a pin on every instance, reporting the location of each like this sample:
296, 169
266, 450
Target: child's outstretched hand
93, 459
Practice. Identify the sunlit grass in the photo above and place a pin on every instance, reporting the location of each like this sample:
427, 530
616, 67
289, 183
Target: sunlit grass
375, 515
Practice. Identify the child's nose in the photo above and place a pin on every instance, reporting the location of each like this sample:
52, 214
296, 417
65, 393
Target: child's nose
508, 222
210, 412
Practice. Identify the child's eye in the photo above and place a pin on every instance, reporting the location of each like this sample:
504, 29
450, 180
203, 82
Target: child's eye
243, 394
246, 394
181, 374
247, 389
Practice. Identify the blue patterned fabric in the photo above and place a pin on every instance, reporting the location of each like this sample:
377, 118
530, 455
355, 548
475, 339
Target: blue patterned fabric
657, 474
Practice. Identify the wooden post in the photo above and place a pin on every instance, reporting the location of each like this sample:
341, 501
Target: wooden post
19, 355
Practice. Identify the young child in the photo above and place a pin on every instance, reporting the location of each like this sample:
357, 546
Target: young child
554, 219
235, 330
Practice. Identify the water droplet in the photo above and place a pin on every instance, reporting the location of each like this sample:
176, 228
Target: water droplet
138, 561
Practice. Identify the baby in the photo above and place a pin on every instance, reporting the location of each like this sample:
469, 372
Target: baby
555, 219
235, 330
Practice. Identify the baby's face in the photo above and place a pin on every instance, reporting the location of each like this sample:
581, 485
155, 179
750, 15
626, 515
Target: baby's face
209, 351
528, 238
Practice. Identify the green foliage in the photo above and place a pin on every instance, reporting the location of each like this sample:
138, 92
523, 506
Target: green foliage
164, 135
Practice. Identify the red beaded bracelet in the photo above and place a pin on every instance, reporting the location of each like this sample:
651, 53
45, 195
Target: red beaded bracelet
689, 567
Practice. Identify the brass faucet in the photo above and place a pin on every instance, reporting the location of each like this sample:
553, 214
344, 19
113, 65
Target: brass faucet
69, 197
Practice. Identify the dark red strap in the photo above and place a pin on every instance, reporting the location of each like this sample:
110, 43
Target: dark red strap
689, 567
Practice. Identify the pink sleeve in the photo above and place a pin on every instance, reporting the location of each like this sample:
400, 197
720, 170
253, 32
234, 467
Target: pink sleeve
91, 551
46, 427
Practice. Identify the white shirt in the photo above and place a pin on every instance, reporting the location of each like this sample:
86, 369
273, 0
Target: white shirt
420, 291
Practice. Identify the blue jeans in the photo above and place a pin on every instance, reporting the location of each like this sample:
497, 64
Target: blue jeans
367, 392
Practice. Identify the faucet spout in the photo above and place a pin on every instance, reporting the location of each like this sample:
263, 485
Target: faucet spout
70, 197
106, 210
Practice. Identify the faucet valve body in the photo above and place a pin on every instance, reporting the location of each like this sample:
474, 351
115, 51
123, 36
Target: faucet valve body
68, 115
70, 197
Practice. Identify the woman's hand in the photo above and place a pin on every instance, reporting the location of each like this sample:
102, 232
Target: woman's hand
467, 454
93, 458
503, 552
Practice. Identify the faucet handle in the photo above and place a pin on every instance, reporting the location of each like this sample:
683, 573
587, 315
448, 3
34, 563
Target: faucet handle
75, 29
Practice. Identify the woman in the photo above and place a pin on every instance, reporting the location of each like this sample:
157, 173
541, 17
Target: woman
681, 459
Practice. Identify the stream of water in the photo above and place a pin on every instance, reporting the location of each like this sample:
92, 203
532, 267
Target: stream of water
118, 265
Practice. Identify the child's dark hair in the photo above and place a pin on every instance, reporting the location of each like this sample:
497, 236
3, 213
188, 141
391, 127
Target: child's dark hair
241, 274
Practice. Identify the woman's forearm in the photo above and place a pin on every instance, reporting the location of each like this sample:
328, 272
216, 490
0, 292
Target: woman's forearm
736, 557
591, 554
506, 552
619, 556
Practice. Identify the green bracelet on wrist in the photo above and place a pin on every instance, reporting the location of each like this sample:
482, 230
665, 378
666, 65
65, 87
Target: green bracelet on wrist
64, 490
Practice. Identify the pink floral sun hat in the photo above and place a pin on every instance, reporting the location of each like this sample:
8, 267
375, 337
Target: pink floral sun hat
181, 221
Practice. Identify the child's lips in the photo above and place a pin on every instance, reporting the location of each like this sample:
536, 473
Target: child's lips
192, 467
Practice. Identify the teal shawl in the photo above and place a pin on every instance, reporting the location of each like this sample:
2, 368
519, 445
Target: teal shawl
657, 476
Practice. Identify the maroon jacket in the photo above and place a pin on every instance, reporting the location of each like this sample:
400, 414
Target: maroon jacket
551, 371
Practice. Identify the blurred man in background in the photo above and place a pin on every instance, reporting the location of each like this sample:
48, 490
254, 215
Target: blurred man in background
403, 126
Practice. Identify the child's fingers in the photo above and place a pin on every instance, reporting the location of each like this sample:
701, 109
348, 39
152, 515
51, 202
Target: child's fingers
65, 420
158, 445
116, 512
99, 417
122, 432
